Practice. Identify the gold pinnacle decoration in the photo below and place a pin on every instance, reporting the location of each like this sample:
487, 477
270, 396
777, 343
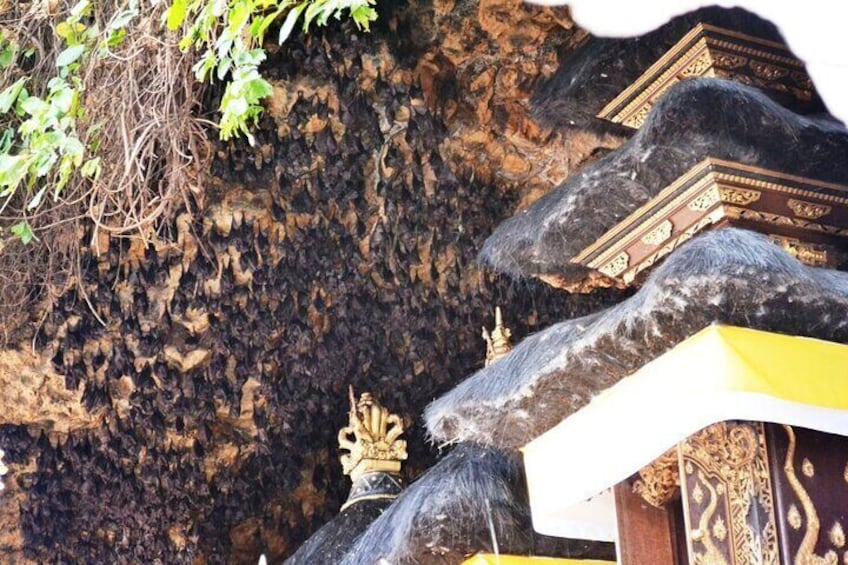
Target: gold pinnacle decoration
371, 438
498, 342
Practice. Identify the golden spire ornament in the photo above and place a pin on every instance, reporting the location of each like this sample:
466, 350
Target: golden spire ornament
371, 438
498, 341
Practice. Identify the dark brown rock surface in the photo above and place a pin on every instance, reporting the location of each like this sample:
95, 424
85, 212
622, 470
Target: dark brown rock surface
206, 369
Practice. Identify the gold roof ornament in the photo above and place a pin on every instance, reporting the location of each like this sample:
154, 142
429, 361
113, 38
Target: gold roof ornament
371, 438
498, 342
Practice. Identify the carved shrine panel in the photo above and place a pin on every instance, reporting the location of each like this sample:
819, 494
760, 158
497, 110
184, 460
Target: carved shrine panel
727, 496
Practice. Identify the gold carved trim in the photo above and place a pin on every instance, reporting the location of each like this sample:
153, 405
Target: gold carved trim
659, 481
684, 236
808, 254
617, 266
778, 220
710, 51
705, 201
738, 196
659, 234
779, 182
809, 210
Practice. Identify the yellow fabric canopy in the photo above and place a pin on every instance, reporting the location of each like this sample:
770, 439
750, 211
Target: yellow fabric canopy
489, 559
721, 373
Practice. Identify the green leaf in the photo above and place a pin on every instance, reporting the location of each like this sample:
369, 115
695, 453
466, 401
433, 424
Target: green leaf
69, 31
10, 95
290, 21
36, 200
70, 55
175, 14
24, 231
92, 168
34, 106
13, 170
7, 55
259, 88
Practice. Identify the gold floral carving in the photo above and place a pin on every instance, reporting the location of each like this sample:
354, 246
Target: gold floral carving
837, 535
809, 210
636, 120
808, 254
497, 341
806, 551
371, 438
739, 196
659, 481
767, 71
659, 234
778, 220
845, 473
807, 468
729, 60
719, 529
705, 200
711, 555
698, 67
617, 265
698, 494
793, 517
727, 462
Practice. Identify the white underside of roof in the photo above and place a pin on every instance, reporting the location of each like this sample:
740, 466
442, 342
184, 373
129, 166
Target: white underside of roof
700, 382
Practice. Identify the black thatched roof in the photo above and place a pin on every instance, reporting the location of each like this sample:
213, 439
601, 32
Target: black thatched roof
473, 496
603, 67
334, 539
727, 276
695, 119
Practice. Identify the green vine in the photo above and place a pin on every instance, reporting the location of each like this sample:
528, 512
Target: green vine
40, 148
46, 136
230, 36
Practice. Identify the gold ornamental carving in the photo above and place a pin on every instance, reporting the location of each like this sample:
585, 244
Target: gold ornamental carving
809, 210
617, 266
371, 438
808, 254
659, 481
806, 551
793, 517
837, 535
739, 196
698, 67
726, 479
705, 200
659, 234
709, 51
497, 341
767, 71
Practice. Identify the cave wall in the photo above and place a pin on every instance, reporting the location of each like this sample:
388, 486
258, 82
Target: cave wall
206, 368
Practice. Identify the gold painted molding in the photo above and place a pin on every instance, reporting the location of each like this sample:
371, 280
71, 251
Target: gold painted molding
716, 192
711, 51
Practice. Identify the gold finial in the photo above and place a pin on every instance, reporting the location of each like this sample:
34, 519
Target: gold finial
371, 438
498, 342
